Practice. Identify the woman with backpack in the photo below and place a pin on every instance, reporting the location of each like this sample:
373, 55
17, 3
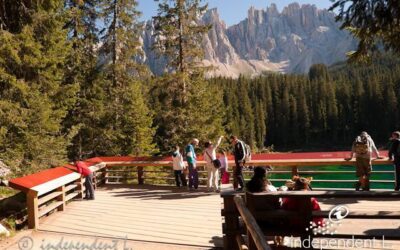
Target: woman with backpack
363, 147
212, 165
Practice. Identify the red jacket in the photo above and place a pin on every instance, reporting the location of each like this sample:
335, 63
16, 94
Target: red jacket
82, 168
293, 205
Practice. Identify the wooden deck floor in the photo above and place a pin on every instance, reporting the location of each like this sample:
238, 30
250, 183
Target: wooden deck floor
175, 218
147, 213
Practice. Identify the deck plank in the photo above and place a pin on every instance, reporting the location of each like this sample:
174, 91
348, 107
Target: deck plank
175, 216
166, 215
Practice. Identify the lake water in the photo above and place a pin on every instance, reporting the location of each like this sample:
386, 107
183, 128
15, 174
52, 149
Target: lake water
338, 176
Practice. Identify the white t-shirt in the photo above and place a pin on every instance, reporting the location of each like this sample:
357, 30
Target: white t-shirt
270, 188
177, 161
210, 155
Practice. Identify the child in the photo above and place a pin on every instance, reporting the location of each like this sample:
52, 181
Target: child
223, 159
301, 184
178, 166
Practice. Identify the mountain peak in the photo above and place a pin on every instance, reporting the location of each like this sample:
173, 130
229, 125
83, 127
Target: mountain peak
290, 41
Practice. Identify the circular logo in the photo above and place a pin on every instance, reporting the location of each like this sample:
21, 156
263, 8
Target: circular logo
338, 213
25, 243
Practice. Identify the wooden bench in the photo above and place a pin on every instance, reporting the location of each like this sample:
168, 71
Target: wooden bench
274, 221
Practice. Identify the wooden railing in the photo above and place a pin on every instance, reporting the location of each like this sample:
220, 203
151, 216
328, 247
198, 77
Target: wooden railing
55, 195
242, 219
256, 238
141, 172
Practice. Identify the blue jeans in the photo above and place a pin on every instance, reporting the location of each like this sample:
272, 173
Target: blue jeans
89, 189
193, 176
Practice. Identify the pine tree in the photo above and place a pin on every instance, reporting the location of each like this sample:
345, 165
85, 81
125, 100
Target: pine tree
304, 116
185, 96
126, 127
33, 98
261, 128
82, 71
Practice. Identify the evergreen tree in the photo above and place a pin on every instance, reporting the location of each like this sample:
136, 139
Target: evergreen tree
82, 71
33, 97
184, 95
372, 22
126, 127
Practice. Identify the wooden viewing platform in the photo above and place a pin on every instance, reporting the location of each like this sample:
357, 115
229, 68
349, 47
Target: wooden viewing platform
175, 217
165, 215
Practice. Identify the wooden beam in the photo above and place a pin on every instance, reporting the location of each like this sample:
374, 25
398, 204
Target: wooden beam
331, 194
80, 187
255, 233
33, 209
266, 162
295, 171
241, 243
61, 198
140, 175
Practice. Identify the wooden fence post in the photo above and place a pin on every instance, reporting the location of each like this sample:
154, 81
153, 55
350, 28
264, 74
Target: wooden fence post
104, 176
295, 171
33, 209
61, 198
140, 175
80, 187
231, 223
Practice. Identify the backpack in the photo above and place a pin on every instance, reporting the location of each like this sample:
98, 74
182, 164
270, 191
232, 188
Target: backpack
247, 153
361, 146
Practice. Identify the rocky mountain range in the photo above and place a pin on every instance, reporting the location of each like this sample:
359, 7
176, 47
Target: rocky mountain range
289, 41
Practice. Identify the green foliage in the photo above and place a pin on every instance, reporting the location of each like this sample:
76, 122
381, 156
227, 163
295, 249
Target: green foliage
33, 98
126, 127
324, 110
186, 106
179, 34
81, 71
201, 116
373, 22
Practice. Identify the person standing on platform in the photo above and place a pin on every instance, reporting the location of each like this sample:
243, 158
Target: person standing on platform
394, 155
191, 160
362, 148
178, 166
239, 152
212, 165
223, 159
88, 175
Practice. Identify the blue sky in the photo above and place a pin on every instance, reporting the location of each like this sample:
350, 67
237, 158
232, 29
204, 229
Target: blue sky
232, 11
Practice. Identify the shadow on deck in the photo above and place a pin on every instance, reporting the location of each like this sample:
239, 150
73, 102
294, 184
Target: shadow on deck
158, 214
175, 218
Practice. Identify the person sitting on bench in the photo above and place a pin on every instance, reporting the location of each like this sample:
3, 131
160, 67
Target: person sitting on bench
292, 204
259, 182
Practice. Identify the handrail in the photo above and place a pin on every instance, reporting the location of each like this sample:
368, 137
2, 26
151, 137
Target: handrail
255, 234
266, 162
121, 173
51, 189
